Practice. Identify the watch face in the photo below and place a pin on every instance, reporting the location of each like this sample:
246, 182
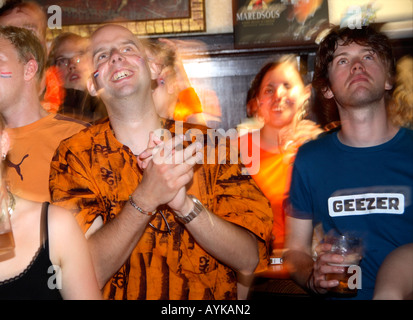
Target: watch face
194, 213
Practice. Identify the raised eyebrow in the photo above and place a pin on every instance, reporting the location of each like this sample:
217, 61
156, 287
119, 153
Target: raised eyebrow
122, 43
340, 55
346, 54
132, 43
97, 51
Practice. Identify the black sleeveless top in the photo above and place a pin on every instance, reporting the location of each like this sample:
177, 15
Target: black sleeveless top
38, 281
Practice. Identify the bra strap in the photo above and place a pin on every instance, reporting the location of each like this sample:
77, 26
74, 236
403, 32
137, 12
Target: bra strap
44, 224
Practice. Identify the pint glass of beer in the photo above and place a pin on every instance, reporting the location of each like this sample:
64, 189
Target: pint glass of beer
6, 234
350, 247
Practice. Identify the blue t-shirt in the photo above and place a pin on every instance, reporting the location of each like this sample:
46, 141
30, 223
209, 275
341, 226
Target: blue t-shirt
367, 191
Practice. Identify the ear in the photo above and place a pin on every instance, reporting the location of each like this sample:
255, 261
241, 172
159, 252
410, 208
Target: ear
327, 93
171, 86
252, 107
153, 68
91, 86
5, 142
30, 69
388, 85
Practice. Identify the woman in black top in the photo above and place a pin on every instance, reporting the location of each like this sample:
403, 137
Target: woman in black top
51, 258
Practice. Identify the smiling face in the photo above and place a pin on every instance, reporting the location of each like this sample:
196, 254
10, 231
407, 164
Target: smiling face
119, 63
358, 77
281, 93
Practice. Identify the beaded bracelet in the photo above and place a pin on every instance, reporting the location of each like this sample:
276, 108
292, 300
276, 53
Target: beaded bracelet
140, 209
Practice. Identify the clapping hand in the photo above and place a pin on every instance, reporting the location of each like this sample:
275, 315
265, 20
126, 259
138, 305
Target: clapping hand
167, 169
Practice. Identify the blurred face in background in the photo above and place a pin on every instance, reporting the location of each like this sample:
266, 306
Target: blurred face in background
73, 64
28, 16
281, 94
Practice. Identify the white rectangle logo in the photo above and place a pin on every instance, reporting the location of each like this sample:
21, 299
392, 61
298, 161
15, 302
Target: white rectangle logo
368, 203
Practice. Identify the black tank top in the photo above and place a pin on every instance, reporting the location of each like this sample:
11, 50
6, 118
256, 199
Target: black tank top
38, 281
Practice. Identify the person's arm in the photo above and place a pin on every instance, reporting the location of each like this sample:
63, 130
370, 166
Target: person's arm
113, 243
309, 274
72, 187
297, 258
394, 280
225, 241
69, 252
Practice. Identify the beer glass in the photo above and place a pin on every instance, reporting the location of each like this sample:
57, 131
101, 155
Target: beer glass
350, 247
6, 233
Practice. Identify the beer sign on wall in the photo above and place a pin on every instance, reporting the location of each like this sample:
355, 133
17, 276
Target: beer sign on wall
263, 23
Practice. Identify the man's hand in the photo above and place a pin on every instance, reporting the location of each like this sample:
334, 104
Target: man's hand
322, 266
166, 171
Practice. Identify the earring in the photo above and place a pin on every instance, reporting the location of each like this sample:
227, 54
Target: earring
3, 157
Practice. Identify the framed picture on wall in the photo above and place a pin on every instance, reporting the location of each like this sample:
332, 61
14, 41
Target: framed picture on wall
142, 17
265, 23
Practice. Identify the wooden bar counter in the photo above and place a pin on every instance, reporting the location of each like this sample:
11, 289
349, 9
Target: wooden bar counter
275, 282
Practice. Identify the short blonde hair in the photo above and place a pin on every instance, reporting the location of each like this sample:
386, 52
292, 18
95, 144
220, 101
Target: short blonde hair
27, 44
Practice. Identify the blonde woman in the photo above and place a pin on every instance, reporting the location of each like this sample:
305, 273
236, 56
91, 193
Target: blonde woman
50, 259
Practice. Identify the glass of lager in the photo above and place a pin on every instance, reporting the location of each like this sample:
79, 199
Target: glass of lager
6, 234
350, 247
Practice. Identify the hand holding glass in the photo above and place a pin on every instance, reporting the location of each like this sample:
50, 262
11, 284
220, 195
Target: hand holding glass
350, 248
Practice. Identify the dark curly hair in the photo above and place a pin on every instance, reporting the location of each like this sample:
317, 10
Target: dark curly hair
366, 36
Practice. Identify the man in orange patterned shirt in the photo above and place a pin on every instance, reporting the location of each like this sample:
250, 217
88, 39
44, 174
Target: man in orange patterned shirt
149, 235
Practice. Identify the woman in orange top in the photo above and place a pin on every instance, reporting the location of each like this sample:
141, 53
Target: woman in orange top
278, 97
172, 92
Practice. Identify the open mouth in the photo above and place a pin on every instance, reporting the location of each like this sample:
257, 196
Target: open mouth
121, 75
74, 77
280, 107
277, 109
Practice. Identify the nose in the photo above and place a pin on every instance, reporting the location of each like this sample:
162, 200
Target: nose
281, 90
357, 66
116, 56
279, 93
72, 64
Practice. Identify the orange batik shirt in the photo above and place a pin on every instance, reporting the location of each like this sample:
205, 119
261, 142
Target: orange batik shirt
94, 174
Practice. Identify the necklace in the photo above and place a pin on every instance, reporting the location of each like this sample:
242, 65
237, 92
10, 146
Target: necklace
12, 203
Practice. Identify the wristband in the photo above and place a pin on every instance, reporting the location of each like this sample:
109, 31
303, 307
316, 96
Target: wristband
148, 213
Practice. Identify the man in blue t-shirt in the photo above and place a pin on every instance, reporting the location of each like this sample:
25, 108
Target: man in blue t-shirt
358, 178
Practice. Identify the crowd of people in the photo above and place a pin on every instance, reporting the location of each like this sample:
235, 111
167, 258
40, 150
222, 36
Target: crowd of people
91, 132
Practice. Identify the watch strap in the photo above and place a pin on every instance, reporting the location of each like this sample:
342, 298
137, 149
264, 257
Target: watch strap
198, 207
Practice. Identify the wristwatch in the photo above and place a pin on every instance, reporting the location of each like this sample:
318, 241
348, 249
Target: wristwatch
198, 207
